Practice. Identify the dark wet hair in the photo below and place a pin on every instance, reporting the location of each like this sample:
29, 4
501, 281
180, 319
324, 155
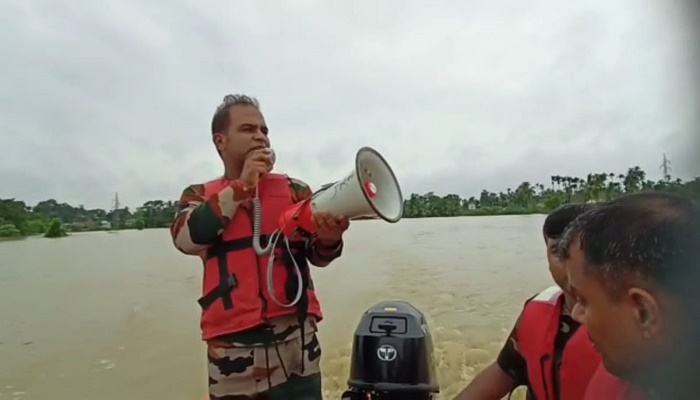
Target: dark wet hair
651, 235
557, 221
222, 119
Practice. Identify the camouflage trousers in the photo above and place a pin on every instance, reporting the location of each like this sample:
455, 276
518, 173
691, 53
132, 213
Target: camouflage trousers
288, 370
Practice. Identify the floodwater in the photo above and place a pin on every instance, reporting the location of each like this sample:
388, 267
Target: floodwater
113, 316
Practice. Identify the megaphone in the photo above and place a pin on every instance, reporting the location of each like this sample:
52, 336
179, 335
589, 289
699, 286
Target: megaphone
369, 190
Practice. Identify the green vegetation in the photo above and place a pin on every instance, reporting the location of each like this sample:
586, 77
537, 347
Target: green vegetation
530, 198
54, 219
56, 229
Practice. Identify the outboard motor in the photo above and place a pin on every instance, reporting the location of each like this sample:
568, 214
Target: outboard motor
392, 355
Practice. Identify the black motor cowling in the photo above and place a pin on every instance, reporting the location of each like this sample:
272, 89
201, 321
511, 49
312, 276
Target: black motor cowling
392, 355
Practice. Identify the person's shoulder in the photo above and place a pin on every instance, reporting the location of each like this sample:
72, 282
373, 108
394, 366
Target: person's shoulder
298, 184
548, 295
194, 189
542, 296
521, 315
197, 191
529, 299
299, 189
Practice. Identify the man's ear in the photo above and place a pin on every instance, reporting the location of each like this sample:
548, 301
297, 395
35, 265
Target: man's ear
646, 312
219, 141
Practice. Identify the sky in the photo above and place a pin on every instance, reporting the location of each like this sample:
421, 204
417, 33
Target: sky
113, 96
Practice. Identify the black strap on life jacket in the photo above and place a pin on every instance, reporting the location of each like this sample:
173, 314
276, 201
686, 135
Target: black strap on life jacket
228, 281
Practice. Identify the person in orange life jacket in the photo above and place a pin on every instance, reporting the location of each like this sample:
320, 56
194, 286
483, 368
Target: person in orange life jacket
546, 351
634, 266
258, 345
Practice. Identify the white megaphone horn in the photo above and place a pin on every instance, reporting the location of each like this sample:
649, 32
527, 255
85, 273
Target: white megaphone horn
369, 190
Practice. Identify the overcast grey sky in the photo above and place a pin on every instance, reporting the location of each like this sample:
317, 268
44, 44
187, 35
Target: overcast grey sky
117, 96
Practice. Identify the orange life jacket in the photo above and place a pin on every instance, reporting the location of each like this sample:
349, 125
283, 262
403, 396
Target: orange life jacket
235, 293
536, 333
606, 386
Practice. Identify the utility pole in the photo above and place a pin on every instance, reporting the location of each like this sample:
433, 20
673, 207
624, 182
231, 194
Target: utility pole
115, 211
666, 168
115, 202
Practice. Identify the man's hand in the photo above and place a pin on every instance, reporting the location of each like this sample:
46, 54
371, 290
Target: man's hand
257, 163
329, 229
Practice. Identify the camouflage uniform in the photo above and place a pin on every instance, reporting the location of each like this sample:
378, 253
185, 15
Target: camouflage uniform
277, 361
273, 362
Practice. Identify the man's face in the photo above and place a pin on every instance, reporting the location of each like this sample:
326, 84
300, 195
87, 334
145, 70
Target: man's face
614, 325
247, 131
556, 266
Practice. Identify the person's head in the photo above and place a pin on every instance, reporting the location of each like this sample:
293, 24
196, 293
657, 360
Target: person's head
237, 127
552, 229
633, 265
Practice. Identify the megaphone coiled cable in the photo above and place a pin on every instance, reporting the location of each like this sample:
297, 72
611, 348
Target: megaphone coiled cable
269, 250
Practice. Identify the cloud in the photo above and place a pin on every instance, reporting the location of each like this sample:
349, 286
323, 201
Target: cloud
117, 96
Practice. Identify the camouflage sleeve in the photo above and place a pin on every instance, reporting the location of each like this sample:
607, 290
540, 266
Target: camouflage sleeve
317, 254
199, 221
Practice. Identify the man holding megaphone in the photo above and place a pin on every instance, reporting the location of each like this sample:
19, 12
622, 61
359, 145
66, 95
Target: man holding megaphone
259, 308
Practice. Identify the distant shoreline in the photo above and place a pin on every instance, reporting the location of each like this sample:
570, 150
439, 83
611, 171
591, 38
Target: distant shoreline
474, 214
18, 220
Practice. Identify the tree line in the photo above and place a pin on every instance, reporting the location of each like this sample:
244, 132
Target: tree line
17, 219
531, 198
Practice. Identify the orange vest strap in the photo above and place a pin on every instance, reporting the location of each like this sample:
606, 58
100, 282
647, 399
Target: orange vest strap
226, 285
222, 248
228, 281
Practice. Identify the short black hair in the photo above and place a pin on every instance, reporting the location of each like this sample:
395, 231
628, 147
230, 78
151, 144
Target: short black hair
651, 235
557, 221
221, 120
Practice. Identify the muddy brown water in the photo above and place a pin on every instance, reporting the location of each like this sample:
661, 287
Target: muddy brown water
113, 315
